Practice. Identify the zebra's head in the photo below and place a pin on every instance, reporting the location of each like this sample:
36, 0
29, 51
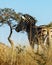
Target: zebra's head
25, 23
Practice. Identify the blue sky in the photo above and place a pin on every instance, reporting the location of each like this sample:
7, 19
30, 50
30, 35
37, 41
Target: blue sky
41, 9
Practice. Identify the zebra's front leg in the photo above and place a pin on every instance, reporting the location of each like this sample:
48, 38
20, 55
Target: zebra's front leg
37, 45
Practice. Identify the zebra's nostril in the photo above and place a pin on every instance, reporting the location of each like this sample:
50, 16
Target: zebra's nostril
17, 30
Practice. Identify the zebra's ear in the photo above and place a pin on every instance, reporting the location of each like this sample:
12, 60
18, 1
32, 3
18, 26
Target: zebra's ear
23, 18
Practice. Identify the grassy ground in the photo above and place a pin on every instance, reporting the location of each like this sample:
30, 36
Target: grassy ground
23, 56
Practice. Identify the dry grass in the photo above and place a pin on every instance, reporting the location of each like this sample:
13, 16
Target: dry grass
22, 56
